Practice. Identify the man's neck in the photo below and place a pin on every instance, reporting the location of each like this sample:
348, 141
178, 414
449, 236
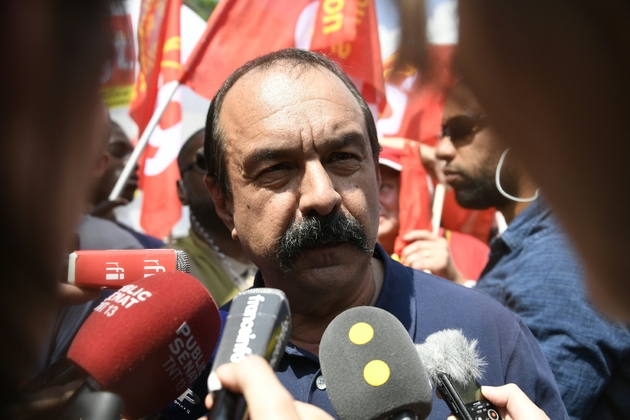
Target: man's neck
526, 189
512, 209
309, 324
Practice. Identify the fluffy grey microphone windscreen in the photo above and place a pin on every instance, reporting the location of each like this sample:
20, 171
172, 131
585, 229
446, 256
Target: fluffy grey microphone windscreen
450, 352
371, 368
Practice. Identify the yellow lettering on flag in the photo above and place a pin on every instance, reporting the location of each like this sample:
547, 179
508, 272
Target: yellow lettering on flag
342, 50
172, 44
171, 64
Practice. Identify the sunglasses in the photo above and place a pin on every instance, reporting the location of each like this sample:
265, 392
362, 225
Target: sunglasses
462, 126
198, 163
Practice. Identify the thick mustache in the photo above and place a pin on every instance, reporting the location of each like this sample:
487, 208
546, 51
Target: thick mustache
313, 231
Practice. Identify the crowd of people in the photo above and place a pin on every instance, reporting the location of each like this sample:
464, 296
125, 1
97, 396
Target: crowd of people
290, 190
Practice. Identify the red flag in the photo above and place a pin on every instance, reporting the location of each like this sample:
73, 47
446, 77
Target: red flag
414, 107
414, 203
241, 30
160, 64
117, 85
347, 31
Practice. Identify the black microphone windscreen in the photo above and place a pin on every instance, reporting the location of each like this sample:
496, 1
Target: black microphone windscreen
371, 367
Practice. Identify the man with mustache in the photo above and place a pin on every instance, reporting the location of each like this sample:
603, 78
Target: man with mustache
292, 159
533, 269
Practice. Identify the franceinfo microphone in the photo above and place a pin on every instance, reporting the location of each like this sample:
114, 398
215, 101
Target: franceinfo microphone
371, 368
111, 269
259, 323
148, 341
455, 368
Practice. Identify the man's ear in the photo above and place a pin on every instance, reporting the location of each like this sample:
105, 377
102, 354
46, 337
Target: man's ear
182, 194
221, 204
101, 165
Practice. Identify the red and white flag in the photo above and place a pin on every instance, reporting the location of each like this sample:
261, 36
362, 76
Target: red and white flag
160, 63
241, 30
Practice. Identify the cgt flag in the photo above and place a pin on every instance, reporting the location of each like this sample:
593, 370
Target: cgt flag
160, 63
241, 30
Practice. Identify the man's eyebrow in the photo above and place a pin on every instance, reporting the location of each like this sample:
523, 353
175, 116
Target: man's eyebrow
274, 153
268, 153
346, 139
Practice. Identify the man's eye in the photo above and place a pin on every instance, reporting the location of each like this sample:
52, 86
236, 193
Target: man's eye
274, 172
342, 156
275, 168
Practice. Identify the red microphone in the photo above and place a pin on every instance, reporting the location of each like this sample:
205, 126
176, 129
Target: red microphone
149, 341
112, 269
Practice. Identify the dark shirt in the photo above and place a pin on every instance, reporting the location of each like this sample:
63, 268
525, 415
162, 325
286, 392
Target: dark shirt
147, 241
534, 271
425, 304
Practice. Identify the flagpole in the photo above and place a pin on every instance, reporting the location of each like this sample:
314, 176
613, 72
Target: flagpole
142, 142
438, 204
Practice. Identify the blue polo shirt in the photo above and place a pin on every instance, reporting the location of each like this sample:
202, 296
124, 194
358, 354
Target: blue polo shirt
425, 304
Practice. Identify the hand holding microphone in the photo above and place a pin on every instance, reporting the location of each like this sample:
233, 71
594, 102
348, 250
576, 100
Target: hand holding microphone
512, 403
455, 367
259, 323
266, 398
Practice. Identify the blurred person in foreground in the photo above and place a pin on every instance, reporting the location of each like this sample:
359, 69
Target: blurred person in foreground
453, 255
92, 233
292, 158
555, 79
215, 259
118, 151
51, 110
533, 269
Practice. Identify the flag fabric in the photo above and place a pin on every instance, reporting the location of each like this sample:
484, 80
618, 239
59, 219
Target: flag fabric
347, 31
160, 64
241, 30
414, 207
117, 84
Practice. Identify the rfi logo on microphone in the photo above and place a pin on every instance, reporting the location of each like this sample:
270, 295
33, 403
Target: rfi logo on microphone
118, 272
157, 268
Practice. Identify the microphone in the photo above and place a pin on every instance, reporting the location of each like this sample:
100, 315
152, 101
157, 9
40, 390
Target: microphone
455, 367
148, 341
112, 269
371, 368
86, 405
259, 323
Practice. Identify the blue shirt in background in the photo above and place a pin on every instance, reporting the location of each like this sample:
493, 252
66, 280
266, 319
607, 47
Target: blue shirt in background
534, 271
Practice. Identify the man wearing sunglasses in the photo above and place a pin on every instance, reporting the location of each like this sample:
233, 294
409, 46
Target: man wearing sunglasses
533, 269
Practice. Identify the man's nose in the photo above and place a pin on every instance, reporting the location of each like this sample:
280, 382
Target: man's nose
445, 149
317, 191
